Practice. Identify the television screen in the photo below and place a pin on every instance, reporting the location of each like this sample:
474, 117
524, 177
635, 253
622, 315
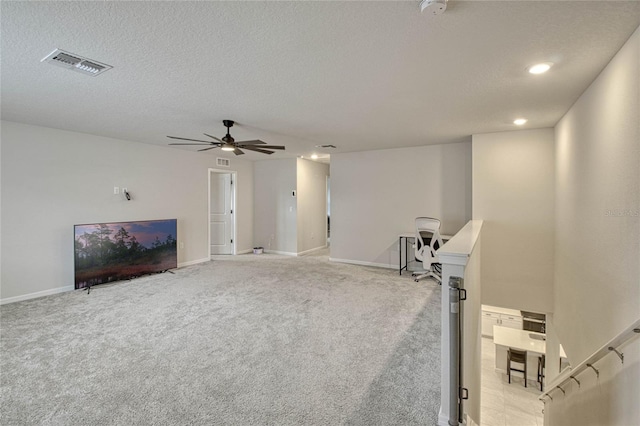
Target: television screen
107, 252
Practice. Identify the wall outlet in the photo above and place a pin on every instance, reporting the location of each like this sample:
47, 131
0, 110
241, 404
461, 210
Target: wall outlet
116, 190
181, 244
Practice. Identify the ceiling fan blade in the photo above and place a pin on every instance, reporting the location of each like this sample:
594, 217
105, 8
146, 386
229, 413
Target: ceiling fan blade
271, 147
252, 148
255, 145
251, 142
186, 139
213, 137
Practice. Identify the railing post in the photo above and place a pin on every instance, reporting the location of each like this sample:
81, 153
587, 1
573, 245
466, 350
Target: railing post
454, 350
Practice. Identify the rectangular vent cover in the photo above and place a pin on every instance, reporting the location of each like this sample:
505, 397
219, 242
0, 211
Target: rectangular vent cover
224, 162
76, 63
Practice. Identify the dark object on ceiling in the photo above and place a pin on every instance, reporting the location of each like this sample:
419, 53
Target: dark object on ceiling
227, 143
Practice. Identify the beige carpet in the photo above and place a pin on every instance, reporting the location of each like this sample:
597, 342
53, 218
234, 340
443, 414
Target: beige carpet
241, 340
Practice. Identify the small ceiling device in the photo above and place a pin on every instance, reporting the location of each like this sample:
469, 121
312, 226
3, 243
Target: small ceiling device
227, 143
77, 63
435, 7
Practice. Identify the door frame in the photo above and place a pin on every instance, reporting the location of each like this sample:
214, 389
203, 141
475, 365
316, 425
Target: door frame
233, 194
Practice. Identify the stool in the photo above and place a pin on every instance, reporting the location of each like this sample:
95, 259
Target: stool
514, 355
541, 361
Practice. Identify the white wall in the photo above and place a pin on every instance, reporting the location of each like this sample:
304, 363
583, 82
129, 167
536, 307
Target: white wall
53, 179
375, 195
1, 223
513, 192
312, 204
284, 223
598, 199
608, 399
597, 279
275, 206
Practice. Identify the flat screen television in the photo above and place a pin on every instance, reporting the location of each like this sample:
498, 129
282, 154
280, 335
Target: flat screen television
107, 252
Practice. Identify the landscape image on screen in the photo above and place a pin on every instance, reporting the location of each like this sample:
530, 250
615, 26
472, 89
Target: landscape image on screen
107, 252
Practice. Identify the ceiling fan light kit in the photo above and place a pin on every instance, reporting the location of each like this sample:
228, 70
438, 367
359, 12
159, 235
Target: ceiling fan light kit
228, 143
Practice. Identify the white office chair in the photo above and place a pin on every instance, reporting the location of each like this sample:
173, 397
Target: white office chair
428, 241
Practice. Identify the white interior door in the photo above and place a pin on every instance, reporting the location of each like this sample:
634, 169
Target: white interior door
221, 213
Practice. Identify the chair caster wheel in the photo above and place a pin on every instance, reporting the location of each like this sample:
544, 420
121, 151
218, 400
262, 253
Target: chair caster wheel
416, 280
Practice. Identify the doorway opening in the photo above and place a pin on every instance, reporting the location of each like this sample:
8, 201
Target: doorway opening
222, 212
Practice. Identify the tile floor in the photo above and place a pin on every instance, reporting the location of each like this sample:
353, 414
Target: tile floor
504, 403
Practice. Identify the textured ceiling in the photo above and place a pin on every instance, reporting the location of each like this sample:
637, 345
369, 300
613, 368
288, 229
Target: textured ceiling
358, 75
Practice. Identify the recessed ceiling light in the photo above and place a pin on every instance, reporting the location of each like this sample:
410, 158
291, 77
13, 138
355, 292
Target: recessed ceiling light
519, 121
314, 156
540, 68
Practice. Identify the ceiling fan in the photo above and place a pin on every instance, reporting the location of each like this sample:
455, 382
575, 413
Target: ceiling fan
227, 143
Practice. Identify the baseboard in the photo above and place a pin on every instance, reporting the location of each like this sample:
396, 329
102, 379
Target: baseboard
470, 421
362, 263
36, 294
193, 262
313, 250
71, 288
247, 251
302, 253
286, 253
442, 419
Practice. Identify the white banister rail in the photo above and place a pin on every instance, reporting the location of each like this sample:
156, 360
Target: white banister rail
571, 374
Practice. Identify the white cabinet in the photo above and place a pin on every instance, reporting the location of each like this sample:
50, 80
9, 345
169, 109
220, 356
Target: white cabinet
499, 316
511, 321
489, 319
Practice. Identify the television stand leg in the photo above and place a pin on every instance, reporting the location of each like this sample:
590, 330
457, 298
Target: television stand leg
88, 289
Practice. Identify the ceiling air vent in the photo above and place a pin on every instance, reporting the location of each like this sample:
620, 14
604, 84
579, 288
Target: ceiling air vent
224, 162
325, 146
76, 63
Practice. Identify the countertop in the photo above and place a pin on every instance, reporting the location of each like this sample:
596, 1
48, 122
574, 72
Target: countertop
521, 339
